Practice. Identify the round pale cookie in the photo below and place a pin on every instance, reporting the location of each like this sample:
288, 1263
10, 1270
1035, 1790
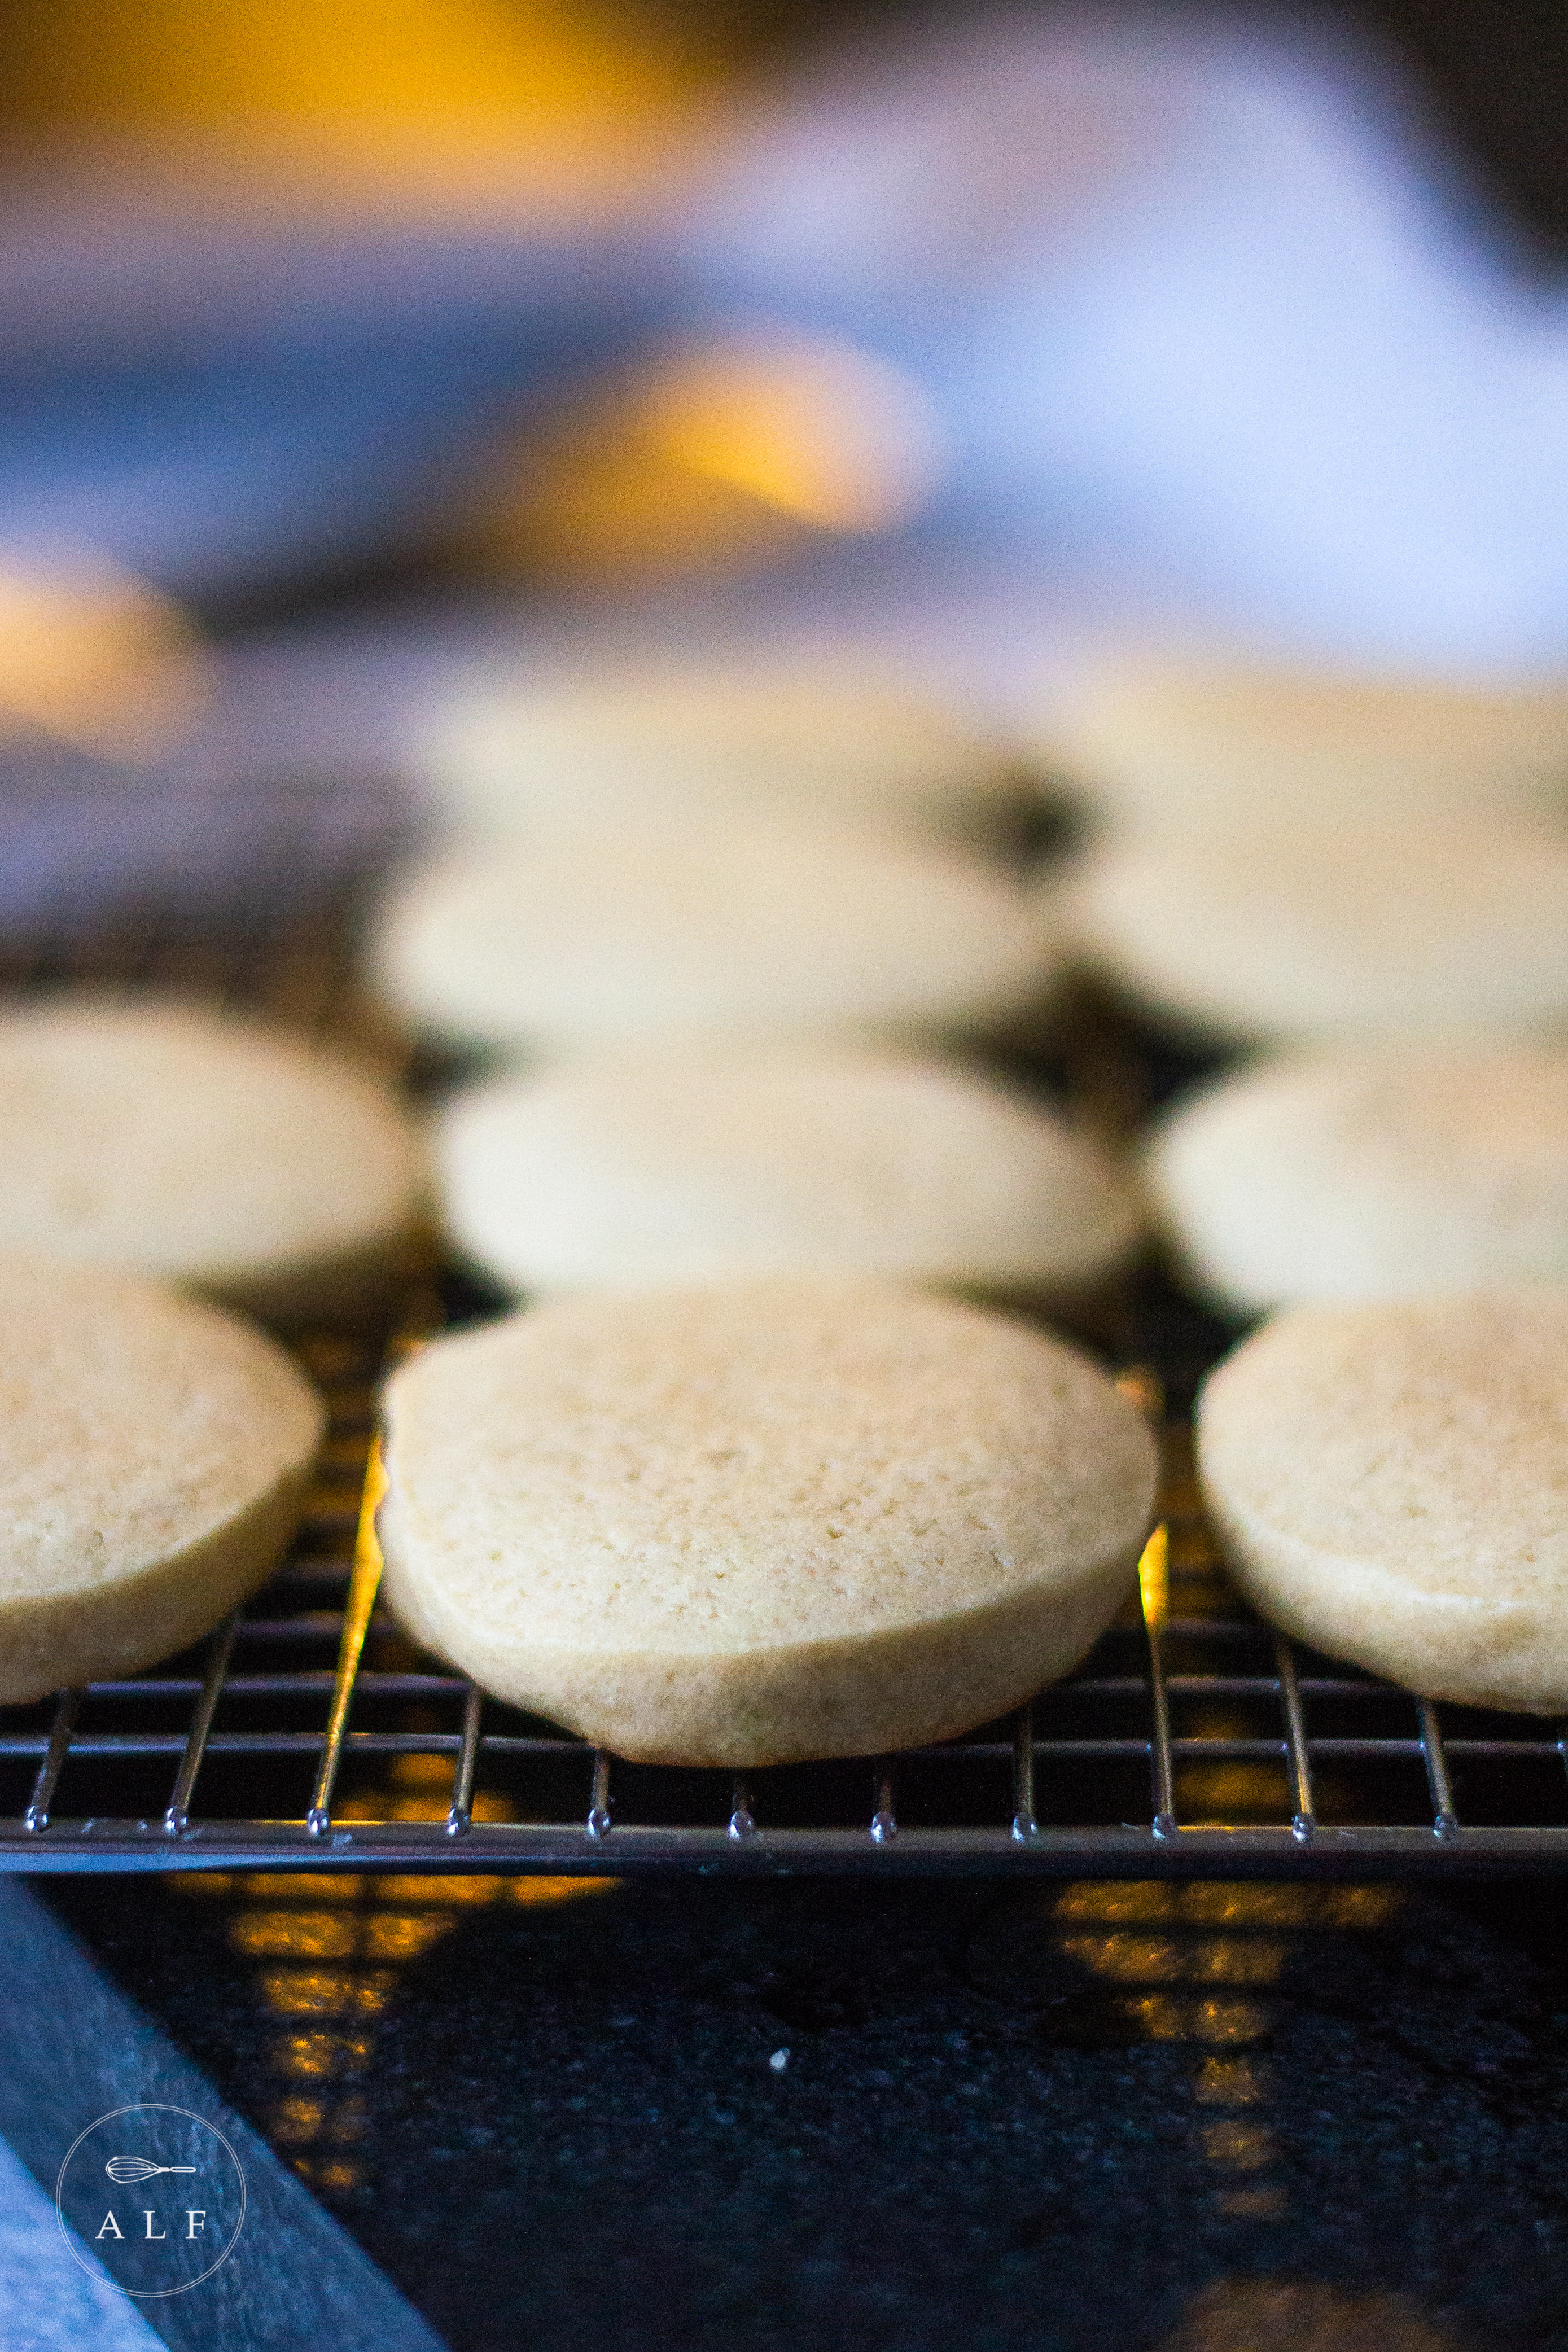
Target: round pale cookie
1365, 1174
155, 1458
632, 942
1297, 933
1163, 745
1390, 1483
763, 1522
541, 757
204, 1150
822, 1163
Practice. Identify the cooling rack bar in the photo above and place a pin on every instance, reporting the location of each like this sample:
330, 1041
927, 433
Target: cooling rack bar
1024, 1825
365, 1582
461, 1812
629, 1850
178, 1816
451, 1743
54, 1751
1304, 1823
276, 1685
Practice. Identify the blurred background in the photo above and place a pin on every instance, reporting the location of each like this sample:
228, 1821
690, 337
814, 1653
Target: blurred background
346, 345
367, 363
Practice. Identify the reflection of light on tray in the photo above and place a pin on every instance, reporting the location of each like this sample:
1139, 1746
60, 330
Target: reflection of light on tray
370, 1929
1153, 1579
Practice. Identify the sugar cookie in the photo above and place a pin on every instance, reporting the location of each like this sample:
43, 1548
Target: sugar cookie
204, 1150
1363, 1173
535, 758
1297, 933
761, 1522
804, 1163
154, 1455
1390, 1483
749, 932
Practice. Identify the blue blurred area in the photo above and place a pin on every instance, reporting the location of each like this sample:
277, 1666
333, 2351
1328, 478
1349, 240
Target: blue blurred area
1212, 331
50, 2301
219, 413
1204, 315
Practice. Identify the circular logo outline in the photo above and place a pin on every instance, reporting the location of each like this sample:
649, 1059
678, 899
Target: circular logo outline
97, 2269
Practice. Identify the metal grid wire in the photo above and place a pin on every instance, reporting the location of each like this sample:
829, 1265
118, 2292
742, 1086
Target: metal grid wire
308, 1732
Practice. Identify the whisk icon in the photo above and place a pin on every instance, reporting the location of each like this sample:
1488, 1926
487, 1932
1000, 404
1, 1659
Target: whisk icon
127, 2168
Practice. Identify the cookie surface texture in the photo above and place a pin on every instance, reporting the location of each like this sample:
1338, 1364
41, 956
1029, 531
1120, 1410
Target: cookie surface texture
1390, 1483
760, 1523
154, 1456
1355, 1173
825, 1163
779, 932
1163, 745
203, 1151
563, 754
1294, 933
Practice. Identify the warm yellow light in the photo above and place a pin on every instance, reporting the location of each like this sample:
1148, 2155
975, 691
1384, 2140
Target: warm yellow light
1236, 1959
1230, 2082
538, 106
304, 1934
1223, 1904
1154, 1578
323, 2054
337, 2174
94, 657
713, 456
1228, 2020
359, 60
1129, 1959
822, 431
296, 2119
1140, 1901
1239, 2148
1160, 2015
558, 1890
1229, 1791
327, 1993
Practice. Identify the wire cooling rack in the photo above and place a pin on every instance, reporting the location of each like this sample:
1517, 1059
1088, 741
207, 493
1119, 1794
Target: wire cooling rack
308, 1733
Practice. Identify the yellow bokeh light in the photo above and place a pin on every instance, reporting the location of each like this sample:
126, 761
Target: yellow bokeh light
326, 1993
336, 2175
404, 1934
302, 1935
1162, 2016
1229, 2083
1239, 2148
715, 456
1135, 1959
550, 106
93, 656
296, 2119
822, 432
1154, 1578
559, 1890
1219, 2022
318, 2054
1138, 1902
